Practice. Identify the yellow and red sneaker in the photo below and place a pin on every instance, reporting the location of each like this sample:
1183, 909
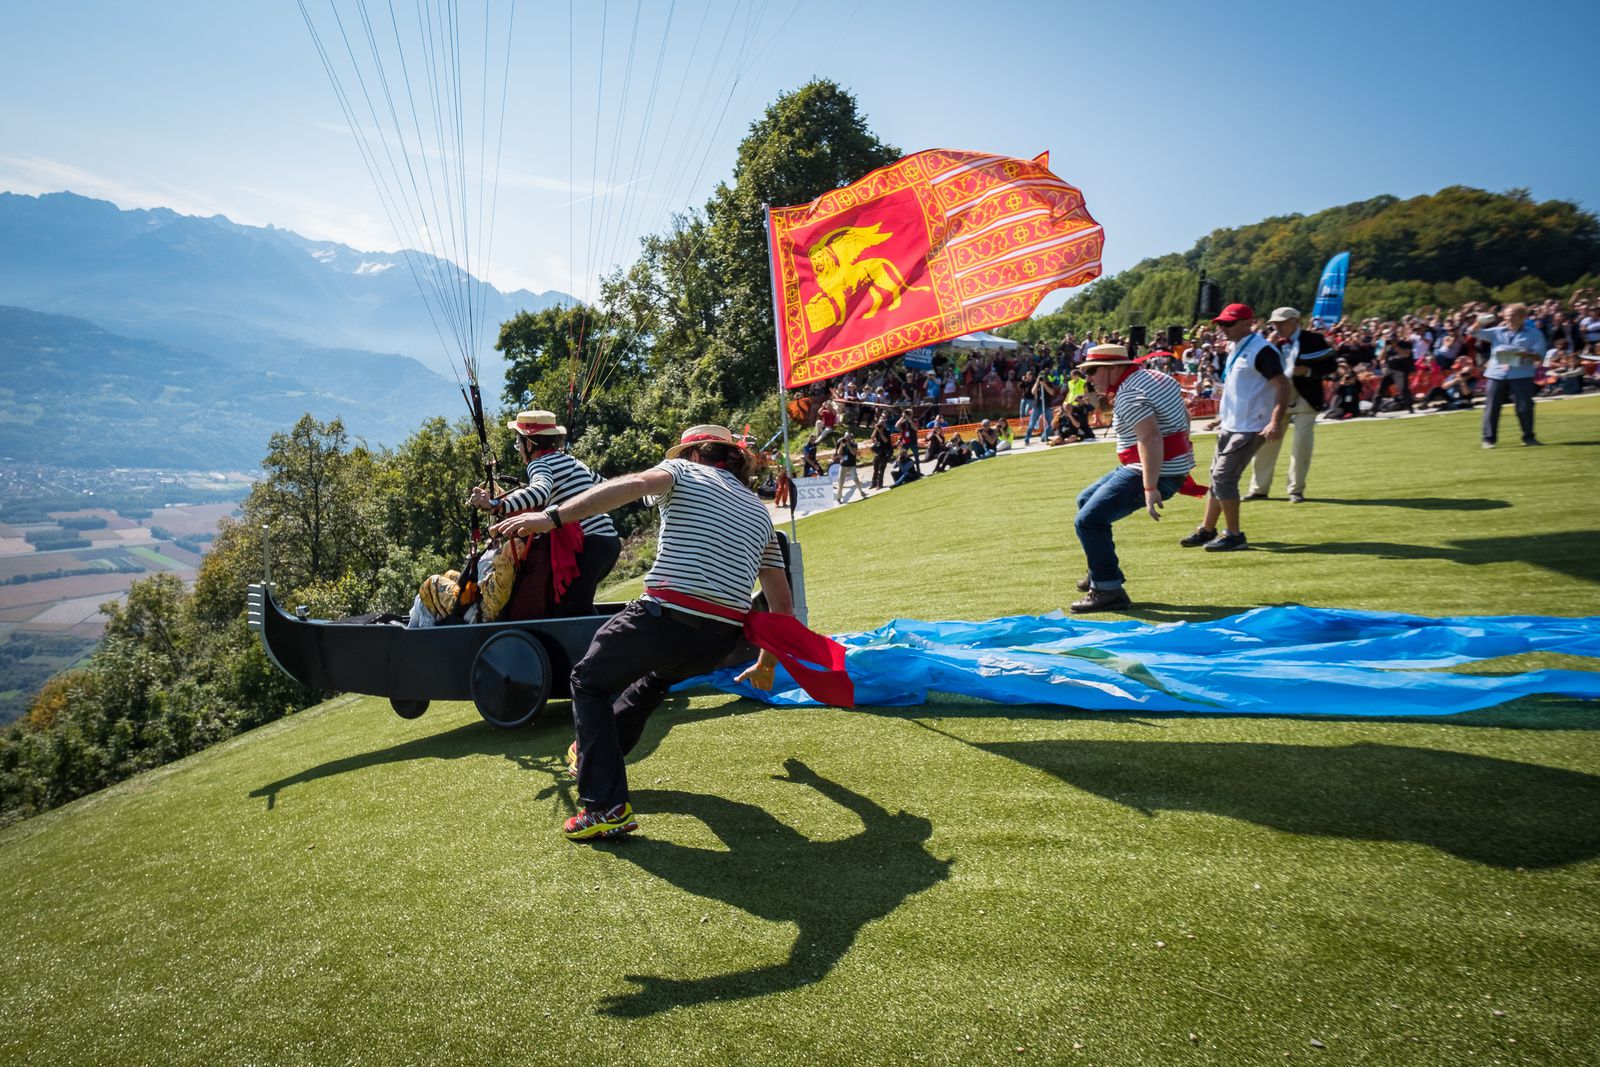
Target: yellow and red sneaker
594, 826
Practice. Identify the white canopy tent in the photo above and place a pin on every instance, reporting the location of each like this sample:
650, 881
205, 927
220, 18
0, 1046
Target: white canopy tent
983, 341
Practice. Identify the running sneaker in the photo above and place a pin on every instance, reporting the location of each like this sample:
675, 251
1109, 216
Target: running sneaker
1202, 536
594, 826
572, 759
1228, 542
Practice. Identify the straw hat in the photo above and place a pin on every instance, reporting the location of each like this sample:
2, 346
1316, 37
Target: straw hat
704, 435
1107, 356
536, 424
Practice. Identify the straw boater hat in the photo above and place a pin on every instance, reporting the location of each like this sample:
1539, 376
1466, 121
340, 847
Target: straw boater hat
1107, 356
536, 424
707, 434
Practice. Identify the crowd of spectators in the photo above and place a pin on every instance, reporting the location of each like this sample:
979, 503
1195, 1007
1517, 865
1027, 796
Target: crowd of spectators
1428, 359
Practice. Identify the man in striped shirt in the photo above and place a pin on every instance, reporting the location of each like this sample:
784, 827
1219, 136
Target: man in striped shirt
716, 543
579, 562
1151, 426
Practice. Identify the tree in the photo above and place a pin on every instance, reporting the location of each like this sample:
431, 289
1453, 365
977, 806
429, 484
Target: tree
318, 499
542, 350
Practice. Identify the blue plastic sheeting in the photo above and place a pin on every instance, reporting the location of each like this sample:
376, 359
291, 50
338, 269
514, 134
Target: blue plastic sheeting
1270, 661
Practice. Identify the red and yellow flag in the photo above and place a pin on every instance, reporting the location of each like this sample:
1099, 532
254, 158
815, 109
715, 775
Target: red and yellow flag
931, 247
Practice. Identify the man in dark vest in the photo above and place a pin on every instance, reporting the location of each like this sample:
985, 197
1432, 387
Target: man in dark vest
1308, 360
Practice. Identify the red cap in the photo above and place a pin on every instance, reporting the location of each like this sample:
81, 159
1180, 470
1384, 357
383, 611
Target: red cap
1236, 313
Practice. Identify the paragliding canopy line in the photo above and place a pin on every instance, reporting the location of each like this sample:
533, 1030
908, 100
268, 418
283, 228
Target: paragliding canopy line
425, 89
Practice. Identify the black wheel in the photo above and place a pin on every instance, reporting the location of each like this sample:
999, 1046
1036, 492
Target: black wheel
510, 679
408, 709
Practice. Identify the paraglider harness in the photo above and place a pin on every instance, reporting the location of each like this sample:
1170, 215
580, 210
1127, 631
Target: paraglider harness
469, 591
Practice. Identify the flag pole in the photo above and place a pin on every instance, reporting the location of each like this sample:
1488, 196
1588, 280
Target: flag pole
777, 344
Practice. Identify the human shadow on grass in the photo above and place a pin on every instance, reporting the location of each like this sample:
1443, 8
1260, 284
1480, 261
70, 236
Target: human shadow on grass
540, 746
830, 890
1422, 503
1496, 812
1149, 611
1572, 552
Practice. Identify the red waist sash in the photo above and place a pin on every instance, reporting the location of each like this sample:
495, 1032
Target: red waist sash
1173, 445
566, 543
787, 638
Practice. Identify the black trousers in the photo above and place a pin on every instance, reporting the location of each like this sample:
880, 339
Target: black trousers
633, 660
880, 463
599, 555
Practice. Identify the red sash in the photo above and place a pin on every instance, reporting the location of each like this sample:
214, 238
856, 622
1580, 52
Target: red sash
565, 544
1172, 446
787, 638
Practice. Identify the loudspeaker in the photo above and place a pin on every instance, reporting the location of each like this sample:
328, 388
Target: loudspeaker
1210, 304
1174, 336
1136, 335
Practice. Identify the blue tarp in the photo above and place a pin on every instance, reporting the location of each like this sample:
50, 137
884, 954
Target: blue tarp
1270, 661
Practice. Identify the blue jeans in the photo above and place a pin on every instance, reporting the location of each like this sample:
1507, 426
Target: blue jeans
1496, 391
1036, 413
1115, 496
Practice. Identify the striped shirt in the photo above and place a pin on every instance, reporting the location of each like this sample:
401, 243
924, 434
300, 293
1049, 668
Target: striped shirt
553, 479
1148, 392
716, 536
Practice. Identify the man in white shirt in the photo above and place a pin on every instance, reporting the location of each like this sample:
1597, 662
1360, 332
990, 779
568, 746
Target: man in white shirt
1255, 405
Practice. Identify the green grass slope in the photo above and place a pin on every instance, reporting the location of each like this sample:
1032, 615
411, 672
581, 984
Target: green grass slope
958, 883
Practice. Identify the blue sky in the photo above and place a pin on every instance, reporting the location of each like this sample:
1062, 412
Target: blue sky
1174, 118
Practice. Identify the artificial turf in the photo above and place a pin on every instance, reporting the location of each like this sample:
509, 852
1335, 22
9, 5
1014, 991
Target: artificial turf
958, 882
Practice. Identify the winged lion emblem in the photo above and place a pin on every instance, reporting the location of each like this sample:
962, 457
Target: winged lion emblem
840, 270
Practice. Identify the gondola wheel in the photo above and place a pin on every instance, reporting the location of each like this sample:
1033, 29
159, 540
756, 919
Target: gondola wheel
510, 679
408, 709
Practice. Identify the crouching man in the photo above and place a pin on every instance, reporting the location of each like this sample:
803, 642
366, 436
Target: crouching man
1151, 425
716, 542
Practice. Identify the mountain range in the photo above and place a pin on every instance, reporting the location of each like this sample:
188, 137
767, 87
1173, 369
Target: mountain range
244, 327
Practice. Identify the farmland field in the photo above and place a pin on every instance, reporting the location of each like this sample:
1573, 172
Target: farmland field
67, 608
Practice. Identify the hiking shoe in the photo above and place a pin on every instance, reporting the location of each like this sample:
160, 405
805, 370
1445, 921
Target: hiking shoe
594, 826
1084, 584
1101, 600
1228, 542
1202, 536
572, 759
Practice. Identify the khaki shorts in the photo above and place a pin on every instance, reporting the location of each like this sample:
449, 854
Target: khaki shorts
1234, 453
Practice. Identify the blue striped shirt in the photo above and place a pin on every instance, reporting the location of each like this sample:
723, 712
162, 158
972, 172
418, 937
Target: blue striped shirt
553, 479
1148, 392
716, 537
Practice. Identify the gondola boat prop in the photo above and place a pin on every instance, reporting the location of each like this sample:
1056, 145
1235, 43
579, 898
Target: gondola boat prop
508, 669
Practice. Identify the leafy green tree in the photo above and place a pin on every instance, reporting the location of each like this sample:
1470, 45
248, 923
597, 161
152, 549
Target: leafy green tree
318, 499
543, 351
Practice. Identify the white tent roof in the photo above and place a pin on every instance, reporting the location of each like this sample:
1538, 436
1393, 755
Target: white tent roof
982, 340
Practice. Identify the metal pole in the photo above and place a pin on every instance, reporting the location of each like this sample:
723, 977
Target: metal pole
777, 344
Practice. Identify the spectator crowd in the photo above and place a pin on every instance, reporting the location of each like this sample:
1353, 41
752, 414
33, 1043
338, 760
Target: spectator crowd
1425, 360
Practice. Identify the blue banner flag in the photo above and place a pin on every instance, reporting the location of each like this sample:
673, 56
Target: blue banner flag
1330, 291
1270, 661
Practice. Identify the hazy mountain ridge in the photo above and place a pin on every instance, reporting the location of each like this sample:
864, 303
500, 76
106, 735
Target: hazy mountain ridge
215, 285
73, 394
